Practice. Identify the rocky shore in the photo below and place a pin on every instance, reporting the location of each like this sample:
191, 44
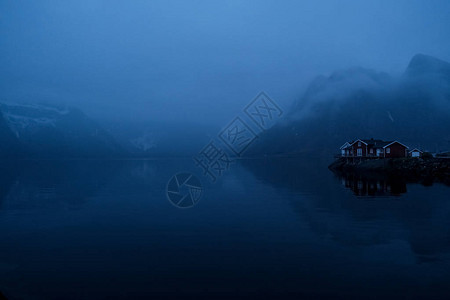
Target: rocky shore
412, 169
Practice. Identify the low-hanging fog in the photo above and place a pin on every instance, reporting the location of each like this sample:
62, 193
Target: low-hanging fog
201, 61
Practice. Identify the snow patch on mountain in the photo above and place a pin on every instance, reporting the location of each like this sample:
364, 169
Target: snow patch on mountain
30, 117
51, 131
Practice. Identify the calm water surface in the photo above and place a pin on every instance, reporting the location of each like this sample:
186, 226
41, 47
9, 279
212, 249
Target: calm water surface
278, 228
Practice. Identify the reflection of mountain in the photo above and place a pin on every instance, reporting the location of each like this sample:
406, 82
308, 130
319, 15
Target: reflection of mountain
8, 175
37, 184
47, 131
34, 184
419, 217
361, 103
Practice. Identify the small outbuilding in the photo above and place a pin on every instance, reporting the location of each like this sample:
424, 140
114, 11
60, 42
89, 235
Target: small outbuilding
415, 153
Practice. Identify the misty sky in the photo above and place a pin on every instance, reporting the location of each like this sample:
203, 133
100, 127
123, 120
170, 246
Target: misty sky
201, 60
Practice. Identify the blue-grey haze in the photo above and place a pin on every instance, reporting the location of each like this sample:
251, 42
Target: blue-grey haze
201, 60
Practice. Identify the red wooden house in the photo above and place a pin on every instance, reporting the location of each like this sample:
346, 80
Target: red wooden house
374, 149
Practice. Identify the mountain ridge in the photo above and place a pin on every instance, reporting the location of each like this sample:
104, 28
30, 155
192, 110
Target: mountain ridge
363, 103
44, 131
421, 63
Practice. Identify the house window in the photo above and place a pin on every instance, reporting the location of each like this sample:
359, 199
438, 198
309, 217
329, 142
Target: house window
371, 151
359, 144
388, 150
359, 152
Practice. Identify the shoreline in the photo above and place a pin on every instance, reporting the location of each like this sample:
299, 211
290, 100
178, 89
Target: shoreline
412, 169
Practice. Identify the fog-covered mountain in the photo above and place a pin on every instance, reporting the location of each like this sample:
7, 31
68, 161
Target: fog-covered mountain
355, 103
48, 131
359, 103
9, 144
149, 138
45, 131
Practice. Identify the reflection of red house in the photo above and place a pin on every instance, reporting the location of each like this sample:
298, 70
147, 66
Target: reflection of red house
374, 148
363, 185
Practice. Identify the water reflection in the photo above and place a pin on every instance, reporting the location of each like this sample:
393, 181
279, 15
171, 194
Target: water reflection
40, 184
419, 218
267, 225
373, 185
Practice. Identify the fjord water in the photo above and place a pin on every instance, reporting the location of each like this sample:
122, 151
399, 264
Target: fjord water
268, 228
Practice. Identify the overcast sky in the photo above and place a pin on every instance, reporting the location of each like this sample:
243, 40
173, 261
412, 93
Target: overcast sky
201, 60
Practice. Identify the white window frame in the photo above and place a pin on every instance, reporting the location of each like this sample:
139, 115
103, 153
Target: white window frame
359, 152
388, 150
